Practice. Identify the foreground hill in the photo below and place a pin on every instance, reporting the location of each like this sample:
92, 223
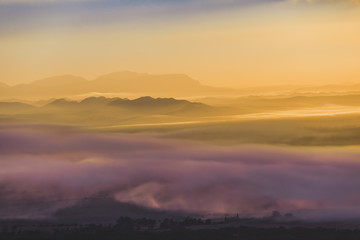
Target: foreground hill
188, 228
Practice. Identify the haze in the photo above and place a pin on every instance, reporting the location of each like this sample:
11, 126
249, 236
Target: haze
220, 43
194, 107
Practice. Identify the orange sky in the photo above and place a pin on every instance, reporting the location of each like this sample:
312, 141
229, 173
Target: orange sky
261, 44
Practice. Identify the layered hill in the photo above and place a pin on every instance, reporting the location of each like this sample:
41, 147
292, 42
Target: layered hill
104, 111
142, 105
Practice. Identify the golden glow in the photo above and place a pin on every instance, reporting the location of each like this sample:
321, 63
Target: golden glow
266, 45
249, 150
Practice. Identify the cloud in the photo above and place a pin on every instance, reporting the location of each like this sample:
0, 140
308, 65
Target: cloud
136, 1
27, 16
42, 166
324, 1
42, 1
55, 15
159, 2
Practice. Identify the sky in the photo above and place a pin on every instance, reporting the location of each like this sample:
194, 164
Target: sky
222, 43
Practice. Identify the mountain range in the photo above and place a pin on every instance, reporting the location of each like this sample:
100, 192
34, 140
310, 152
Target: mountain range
132, 84
143, 104
170, 85
103, 111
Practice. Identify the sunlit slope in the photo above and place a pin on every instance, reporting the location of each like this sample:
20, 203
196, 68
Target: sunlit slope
279, 120
260, 103
336, 130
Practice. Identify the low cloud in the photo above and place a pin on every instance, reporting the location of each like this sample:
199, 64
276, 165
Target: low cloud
43, 170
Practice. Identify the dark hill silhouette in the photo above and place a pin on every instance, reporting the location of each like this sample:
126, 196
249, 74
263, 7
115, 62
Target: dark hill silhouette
161, 105
106, 111
143, 104
62, 103
96, 101
14, 105
10, 108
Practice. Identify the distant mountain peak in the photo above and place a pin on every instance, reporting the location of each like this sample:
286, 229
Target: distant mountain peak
4, 85
60, 79
170, 85
61, 102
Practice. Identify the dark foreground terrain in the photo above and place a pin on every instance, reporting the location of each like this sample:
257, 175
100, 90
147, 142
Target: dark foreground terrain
188, 228
248, 233
221, 234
